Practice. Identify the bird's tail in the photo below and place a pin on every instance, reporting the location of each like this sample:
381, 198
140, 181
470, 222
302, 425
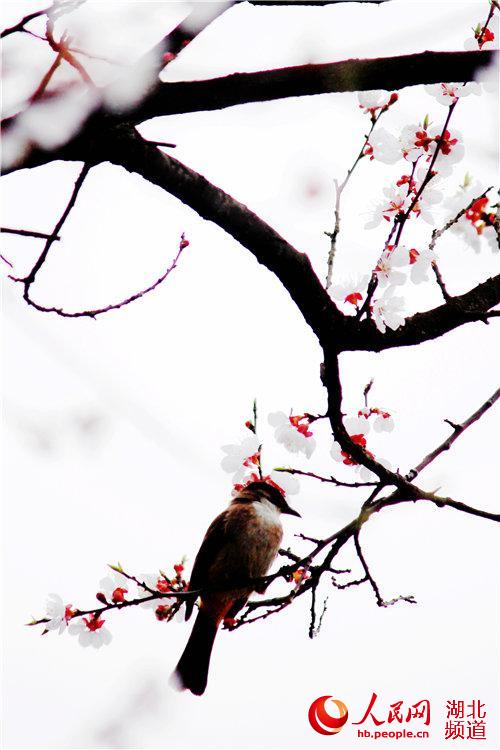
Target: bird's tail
191, 672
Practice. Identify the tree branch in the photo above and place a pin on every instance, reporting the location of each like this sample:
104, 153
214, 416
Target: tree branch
458, 429
388, 73
424, 326
240, 88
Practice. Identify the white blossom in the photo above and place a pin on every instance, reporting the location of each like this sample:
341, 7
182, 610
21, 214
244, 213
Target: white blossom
56, 612
420, 265
237, 454
350, 291
292, 436
448, 93
288, 482
113, 581
385, 147
389, 261
87, 632
356, 425
388, 311
383, 423
370, 100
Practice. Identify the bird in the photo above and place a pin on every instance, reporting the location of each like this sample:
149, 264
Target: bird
239, 546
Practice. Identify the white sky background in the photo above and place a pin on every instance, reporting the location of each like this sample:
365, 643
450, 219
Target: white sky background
113, 428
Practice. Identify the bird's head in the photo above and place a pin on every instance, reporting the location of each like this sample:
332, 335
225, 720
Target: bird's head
259, 491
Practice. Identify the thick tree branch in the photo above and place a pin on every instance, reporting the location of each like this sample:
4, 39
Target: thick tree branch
303, 80
388, 73
469, 307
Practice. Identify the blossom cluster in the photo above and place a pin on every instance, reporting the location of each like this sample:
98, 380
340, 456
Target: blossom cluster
357, 428
243, 459
116, 590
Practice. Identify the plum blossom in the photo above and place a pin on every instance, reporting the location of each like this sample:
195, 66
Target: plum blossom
388, 311
475, 227
238, 454
58, 613
350, 291
293, 432
287, 482
356, 425
421, 141
391, 259
481, 37
420, 264
371, 101
115, 586
425, 204
395, 203
449, 93
90, 631
383, 147
383, 421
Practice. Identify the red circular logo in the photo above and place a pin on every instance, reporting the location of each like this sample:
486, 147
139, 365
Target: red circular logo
323, 722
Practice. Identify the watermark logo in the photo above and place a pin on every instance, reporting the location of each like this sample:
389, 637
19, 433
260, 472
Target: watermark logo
324, 722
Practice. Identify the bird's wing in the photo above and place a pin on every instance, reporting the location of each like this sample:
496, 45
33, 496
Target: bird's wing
214, 540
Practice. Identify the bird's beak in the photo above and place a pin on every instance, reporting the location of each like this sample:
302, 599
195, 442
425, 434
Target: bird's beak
291, 512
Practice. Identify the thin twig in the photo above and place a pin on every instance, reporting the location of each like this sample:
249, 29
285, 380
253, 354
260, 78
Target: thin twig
458, 429
339, 189
30, 278
29, 233
330, 479
100, 311
380, 601
437, 273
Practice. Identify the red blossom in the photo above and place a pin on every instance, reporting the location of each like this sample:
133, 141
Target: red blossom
179, 568
163, 585
446, 142
354, 298
413, 256
183, 243
484, 35
118, 595
168, 57
478, 215
162, 612
69, 613
93, 622
423, 140
406, 179
302, 428
255, 460
101, 597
